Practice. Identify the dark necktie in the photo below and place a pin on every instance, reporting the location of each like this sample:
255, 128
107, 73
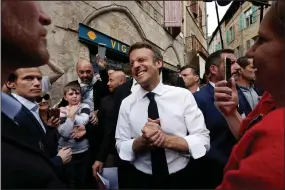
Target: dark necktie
158, 157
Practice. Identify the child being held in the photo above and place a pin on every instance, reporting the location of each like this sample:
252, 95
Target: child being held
71, 117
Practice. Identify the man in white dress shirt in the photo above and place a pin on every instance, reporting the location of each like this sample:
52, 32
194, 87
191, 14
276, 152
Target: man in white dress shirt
159, 126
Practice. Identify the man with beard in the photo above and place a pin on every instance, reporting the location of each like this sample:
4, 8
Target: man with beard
24, 163
257, 161
209, 169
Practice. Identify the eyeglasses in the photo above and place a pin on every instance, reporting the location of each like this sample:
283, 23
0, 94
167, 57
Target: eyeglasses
39, 99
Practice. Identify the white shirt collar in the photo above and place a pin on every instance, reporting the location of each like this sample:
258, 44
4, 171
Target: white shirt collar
159, 90
213, 84
27, 103
198, 89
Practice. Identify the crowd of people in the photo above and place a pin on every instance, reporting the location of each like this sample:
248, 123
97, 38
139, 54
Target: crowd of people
184, 135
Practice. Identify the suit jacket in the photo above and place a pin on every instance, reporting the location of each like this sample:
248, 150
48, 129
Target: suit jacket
108, 130
25, 162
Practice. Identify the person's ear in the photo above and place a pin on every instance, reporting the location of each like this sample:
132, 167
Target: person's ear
196, 78
11, 85
159, 64
214, 69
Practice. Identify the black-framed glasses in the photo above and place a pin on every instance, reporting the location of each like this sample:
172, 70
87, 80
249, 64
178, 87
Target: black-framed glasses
40, 98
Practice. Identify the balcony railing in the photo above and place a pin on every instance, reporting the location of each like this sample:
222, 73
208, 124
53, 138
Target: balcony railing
193, 44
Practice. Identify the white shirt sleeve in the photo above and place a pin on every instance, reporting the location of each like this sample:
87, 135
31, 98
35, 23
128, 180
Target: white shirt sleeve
46, 85
124, 141
198, 139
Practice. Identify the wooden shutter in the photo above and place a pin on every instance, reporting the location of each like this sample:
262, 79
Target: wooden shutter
254, 13
227, 37
172, 14
241, 22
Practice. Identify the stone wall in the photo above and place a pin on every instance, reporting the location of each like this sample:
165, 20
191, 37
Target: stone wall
127, 21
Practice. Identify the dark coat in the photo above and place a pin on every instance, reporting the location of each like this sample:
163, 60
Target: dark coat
25, 162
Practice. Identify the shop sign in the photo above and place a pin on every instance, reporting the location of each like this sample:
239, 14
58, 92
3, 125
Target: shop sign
92, 36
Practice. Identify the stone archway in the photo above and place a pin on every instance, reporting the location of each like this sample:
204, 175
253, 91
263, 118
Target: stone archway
116, 8
170, 54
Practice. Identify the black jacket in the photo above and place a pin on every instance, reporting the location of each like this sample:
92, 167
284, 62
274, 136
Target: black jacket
25, 163
108, 130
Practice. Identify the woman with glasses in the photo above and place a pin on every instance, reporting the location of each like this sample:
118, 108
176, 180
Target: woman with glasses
49, 116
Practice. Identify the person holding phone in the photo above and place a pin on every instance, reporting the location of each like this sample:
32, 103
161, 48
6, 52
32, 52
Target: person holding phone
49, 116
209, 169
73, 118
257, 160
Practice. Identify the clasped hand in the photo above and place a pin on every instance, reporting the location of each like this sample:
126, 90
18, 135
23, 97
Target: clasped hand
153, 134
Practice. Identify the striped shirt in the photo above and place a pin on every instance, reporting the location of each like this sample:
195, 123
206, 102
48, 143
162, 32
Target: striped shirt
66, 128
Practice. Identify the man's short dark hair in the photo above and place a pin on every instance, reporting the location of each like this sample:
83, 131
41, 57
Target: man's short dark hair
192, 67
243, 62
157, 56
215, 59
74, 86
12, 77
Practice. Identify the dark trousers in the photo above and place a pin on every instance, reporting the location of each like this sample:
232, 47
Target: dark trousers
131, 178
75, 171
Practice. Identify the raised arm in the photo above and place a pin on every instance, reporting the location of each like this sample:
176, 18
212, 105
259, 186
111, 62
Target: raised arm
57, 72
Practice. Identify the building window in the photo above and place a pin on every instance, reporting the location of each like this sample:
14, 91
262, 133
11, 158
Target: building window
230, 35
248, 17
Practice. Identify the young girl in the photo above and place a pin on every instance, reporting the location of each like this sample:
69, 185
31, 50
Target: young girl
73, 118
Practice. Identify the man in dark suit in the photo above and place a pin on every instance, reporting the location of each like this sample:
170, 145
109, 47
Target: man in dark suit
107, 155
208, 171
24, 163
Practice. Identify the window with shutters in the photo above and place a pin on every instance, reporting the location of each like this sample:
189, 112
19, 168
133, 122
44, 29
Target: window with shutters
231, 34
250, 16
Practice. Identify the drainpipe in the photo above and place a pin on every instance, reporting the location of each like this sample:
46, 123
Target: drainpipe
206, 23
185, 30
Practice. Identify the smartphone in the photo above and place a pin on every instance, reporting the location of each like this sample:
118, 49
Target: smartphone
55, 112
228, 73
101, 51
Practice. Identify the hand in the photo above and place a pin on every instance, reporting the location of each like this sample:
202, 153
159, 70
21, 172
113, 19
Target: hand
65, 154
63, 110
72, 111
97, 167
78, 132
53, 122
226, 99
101, 63
153, 134
94, 118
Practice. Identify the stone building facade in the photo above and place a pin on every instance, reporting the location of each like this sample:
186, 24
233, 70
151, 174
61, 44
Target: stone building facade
239, 28
119, 24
